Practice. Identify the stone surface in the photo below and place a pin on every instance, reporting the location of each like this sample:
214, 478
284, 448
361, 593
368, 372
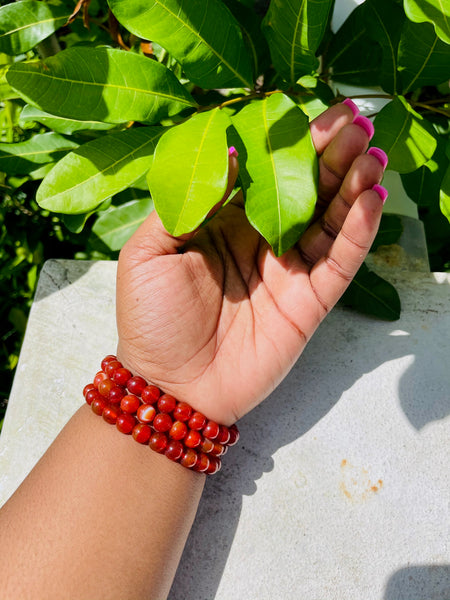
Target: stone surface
339, 487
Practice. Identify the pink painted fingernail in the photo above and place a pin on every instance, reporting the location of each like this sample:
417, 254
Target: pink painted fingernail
232, 151
381, 191
366, 124
380, 155
352, 106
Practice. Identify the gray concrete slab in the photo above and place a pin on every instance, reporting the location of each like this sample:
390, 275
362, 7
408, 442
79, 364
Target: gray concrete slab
339, 487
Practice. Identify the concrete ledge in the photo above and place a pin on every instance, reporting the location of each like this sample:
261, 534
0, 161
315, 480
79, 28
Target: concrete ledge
339, 486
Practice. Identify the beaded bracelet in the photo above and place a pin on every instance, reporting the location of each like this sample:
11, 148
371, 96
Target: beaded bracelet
166, 425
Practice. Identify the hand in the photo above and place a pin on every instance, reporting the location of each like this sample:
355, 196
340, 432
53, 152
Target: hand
215, 318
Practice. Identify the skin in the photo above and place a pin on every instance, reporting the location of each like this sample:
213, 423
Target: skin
101, 516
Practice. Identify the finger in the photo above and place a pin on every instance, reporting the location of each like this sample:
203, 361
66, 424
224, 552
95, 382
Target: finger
152, 239
351, 141
366, 171
332, 274
327, 125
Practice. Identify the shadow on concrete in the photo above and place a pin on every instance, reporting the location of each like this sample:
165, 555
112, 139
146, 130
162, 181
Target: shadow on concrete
419, 582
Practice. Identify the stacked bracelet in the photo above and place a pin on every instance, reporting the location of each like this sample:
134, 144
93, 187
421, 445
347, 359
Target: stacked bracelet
168, 426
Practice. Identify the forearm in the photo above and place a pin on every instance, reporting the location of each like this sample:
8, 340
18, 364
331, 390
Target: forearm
100, 516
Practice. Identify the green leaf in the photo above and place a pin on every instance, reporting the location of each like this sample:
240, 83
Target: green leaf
116, 225
444, 196
370, 294
100, 84
352, 56
404, 135
97, 170
384, 21
389, 231
423, 58
294, 30
190, 171
25, 24
203, 36
424, 184
280, 175
59, 124
24, 157
436, 12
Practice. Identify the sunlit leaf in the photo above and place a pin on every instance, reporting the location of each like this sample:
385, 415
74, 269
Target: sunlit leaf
25, 24
280, 173
25, 157
424, 184
404, 135
436, 12
100, 84
97, 170
294, 30
31, 114
190, 170
203, 36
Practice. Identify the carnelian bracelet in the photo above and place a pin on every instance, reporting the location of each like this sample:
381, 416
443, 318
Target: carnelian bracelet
168, 426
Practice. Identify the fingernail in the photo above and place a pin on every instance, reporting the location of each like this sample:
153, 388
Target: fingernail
232, 151
380, 155
381, 191
352, 106
366, 124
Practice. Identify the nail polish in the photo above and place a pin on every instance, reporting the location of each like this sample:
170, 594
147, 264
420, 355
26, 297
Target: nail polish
381, 191
366, 124
352, 106
379, 154
233, 152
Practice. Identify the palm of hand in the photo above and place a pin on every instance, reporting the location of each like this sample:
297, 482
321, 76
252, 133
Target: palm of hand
212, 324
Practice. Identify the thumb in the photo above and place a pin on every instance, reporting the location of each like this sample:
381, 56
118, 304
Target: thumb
152, 239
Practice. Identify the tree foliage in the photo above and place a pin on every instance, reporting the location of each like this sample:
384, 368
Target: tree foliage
107, 108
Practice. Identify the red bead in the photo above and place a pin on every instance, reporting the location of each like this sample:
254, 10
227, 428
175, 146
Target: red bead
218, 449
214, 465
224, 435
234, 435
88, 388
206, 445
182, 411
105, 386
136, 384
121, 376
203, 462
107, 360
162, 422
193, 439
100, 376
178, 430
125, 423
174, 450
167, 403
111, 368
92, 395
98, 405
142, 433
116, 394
211, 430
150, 394
189, 458
110, 414
146, 413
197, 421
158, 442
130, 404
